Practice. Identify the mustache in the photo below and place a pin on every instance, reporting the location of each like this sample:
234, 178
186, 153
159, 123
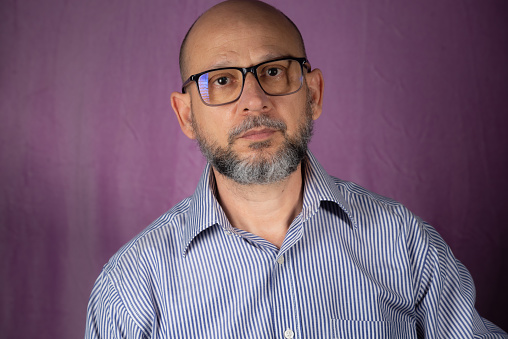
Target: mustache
256, 121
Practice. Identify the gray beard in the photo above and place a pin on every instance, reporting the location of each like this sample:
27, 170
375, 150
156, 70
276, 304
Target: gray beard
261, 168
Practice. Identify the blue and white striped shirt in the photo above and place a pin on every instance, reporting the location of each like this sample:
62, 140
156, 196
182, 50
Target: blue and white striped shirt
352, 265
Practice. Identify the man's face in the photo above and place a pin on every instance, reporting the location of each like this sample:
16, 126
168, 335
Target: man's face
258, 138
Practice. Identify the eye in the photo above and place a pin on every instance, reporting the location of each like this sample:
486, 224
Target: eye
221, 81
273, 71
223, 78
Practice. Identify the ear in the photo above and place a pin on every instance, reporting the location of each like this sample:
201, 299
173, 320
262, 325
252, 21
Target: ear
316, 86
182, 107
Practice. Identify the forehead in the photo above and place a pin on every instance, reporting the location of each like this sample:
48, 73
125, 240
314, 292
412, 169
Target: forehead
241, 35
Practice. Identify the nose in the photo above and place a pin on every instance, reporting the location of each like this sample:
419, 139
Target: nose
253, 98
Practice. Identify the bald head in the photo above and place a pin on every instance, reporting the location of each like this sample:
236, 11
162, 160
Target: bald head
226, 18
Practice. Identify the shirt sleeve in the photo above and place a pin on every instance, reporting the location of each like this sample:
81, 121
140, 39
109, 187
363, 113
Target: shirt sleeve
444, 291
107, 315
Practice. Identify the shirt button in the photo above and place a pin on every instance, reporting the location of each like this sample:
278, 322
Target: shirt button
289, 334
280, 260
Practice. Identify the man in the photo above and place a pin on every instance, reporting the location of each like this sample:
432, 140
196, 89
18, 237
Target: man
269, 245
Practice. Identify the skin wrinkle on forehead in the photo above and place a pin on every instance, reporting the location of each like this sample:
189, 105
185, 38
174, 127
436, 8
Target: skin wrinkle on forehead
227, 51
226, 61
248, 14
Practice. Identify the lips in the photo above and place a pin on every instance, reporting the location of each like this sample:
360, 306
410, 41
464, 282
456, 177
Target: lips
258, 133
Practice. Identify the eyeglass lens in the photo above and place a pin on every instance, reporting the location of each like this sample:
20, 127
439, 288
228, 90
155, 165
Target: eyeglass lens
280, 77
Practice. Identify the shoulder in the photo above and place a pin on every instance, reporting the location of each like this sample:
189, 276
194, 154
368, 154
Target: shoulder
390, 219
354, 191
378, 214
162, 237
369, 206
125, 285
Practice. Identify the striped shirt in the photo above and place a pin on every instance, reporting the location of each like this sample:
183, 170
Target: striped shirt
352, 265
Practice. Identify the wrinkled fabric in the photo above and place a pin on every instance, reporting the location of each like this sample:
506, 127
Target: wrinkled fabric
352, 264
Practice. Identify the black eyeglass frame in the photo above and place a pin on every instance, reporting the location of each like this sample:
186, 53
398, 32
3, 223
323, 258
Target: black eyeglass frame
245, 70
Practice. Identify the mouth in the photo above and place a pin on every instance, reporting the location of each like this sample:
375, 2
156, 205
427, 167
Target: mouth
258, 134
256, 128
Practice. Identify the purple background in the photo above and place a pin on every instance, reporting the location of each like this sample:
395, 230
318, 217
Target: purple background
91, 153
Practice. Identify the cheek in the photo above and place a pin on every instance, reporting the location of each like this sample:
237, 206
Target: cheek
294, 113
211, 125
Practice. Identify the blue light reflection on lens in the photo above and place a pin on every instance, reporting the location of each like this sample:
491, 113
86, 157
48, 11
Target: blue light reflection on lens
203, 87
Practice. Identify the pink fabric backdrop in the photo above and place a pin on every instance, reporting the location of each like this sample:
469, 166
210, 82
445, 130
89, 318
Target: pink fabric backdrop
91, 153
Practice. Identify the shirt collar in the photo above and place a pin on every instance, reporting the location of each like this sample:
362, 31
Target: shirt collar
202, 209
205, 210
320, 186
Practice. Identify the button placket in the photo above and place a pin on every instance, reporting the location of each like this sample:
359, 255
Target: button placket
285, 307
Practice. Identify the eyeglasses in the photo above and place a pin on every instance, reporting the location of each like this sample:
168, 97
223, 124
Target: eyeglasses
225, 85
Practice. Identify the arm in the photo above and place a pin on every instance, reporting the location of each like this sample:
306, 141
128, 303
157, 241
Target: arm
107, 315
444, 291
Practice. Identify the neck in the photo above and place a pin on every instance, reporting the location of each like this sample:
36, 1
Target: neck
263, 210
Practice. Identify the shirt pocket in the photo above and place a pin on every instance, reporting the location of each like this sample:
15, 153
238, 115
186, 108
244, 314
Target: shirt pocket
356, 329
